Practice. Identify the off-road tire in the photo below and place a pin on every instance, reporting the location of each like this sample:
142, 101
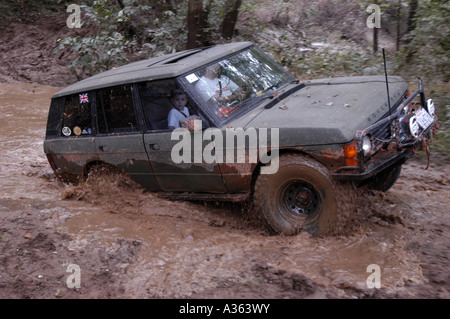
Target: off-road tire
302, 196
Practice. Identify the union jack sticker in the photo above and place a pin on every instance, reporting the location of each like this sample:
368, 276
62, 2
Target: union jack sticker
84, 98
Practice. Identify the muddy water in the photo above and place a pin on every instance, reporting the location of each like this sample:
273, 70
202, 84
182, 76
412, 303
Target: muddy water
188, 247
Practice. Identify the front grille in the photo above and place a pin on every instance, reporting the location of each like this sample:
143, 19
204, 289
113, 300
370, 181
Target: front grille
381, 133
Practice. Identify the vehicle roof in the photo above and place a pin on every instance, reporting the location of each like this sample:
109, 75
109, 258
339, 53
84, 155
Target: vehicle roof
166, 66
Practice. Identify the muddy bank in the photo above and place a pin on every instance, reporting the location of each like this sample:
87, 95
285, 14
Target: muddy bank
128, 243
27, 53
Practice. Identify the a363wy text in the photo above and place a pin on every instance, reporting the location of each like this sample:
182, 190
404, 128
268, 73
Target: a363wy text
233, 308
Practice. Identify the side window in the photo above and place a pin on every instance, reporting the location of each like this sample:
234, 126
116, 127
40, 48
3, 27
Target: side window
158, 103
77, 118
115, 110
155, 98
54, 120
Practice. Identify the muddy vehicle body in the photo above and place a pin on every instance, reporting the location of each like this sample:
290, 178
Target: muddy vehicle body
251, 131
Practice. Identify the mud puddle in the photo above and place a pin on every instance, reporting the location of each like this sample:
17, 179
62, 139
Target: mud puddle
131, 244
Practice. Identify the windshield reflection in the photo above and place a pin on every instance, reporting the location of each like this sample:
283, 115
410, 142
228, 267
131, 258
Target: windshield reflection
233, 83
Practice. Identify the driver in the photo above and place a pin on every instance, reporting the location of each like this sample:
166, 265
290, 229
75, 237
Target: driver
213, 85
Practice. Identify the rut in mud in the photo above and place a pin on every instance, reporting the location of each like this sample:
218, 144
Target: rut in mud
129, 243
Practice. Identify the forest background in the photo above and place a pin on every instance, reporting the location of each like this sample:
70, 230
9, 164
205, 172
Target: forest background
313, 39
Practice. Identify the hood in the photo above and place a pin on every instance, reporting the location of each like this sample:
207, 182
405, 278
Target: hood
331, 110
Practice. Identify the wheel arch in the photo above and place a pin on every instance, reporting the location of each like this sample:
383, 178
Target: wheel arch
284, 151
94, 162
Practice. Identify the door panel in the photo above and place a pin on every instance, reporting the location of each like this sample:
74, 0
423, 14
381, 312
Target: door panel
190, 176
127, 152
120, 142
155, 98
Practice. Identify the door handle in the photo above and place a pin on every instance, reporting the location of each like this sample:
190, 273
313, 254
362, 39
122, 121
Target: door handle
154, 147
103, 148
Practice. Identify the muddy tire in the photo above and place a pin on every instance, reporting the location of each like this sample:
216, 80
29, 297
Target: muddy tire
302, 196
385, 180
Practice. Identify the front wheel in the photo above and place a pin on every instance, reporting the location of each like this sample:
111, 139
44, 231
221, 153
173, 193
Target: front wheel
302, 196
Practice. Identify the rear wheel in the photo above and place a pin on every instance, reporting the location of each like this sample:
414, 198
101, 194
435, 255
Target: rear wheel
302, 196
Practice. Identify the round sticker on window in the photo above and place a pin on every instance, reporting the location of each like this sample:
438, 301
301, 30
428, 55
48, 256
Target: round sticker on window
66, 131
77, 130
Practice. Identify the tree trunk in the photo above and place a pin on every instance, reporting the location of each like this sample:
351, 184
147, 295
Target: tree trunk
375, 36
399, 13
230, 18
375, 40
206, 10
195, 24
121, 5
413, 5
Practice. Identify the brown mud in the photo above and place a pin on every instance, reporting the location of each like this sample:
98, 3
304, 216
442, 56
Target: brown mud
129, 243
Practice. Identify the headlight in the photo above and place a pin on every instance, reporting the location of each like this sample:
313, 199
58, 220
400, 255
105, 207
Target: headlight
366, 145
413, 126
430, 107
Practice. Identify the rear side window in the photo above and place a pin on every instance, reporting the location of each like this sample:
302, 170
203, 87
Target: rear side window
115, 110
54, 118
77, 117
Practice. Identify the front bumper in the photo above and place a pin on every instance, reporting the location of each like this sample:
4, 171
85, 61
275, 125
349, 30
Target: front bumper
392, 144
379, 162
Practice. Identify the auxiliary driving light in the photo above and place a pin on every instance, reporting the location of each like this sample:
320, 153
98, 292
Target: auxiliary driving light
430, 107
414, 126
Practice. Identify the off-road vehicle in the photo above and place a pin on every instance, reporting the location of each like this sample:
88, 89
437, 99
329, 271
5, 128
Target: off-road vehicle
250, 131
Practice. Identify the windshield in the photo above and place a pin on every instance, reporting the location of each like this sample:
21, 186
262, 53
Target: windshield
228, 87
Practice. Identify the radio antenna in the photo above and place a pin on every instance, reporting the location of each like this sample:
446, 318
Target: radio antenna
387, 82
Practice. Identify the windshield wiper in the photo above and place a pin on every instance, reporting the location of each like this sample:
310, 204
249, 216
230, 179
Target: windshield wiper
262, 96
255, 100
271, 87
284, 94
278, 84
250, 102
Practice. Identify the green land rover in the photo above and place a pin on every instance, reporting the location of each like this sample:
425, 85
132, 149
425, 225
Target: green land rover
228, 123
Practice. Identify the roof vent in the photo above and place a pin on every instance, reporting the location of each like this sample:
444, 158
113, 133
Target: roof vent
176, 57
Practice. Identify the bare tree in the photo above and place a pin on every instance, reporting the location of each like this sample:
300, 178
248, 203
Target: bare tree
399, 16
375, 36
121, 5
230, 18
413, 5
206, 11
195, 24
